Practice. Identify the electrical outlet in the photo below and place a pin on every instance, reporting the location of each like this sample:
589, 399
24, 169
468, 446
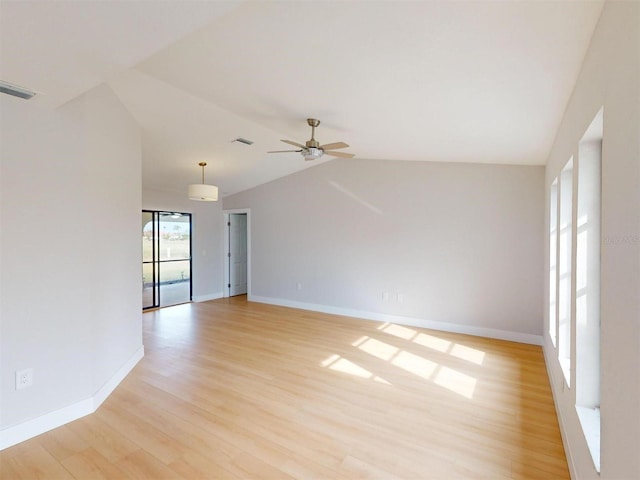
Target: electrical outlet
385, 296
24, 378
299, 286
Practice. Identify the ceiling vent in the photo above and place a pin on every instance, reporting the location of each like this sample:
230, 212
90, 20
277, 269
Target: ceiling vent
16, 91
242, 140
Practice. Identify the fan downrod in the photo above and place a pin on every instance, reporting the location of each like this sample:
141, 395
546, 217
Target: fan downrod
313, 123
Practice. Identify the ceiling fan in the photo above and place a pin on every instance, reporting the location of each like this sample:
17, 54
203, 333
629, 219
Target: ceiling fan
312, 150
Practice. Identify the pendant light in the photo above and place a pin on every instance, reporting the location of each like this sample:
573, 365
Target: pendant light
201, 191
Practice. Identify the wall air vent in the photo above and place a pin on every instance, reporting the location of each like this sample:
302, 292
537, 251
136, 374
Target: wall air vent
16, 91
242, 140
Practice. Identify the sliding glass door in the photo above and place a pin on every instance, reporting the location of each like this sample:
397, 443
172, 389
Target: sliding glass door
166, 258
149, 277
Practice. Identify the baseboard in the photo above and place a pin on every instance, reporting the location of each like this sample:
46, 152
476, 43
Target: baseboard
573, 472
402, 320
37, 426
102, 394
206, 298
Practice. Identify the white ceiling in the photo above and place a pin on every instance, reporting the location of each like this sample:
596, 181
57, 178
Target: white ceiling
474, 81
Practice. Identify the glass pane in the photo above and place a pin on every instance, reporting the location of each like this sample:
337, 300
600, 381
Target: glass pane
553, 253
148, 286
147, 236
175, 285
175, 237
565, 307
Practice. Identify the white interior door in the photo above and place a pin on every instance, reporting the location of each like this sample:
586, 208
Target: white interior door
237, 254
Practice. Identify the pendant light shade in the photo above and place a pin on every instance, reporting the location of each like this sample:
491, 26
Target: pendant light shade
202, 192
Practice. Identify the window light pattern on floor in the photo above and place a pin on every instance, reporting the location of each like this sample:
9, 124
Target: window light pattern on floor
420, 366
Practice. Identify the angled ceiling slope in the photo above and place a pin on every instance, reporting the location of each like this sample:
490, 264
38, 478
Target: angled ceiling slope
424, 81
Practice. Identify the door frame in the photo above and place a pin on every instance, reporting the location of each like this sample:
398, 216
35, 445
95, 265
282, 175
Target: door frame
225, 258
156, 262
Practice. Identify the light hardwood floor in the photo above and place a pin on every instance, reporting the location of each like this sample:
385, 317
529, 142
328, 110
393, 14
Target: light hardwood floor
234, 389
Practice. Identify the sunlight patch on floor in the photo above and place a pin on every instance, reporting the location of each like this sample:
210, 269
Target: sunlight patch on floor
432, 342
345, 366
441, 375
455, 381
330, 360
399, 331
378, 349
435, 343
467, 353
415, 364
340, 364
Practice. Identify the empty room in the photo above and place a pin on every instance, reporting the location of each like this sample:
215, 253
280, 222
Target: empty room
320, 239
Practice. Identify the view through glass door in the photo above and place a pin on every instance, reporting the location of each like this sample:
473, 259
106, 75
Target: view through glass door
166, 258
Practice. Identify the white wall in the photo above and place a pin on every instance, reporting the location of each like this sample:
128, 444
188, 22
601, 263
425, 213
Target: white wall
461, 243
70, 256
610, 77
207, 241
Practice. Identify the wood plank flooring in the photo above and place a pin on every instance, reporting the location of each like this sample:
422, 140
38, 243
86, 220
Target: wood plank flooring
233, 389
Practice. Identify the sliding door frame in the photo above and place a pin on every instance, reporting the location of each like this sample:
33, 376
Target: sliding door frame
156, 261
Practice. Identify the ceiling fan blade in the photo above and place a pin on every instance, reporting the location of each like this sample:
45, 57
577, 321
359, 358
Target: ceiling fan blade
284, 151
295, 144
340, 154
333, 146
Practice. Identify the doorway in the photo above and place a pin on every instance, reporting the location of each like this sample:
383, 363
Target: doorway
237, 252
166, 258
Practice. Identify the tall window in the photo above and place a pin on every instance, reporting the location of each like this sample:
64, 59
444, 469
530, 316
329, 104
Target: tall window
587, 289
564, 269
553, 260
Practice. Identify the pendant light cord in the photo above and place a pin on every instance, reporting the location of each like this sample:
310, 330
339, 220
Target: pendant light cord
203, 164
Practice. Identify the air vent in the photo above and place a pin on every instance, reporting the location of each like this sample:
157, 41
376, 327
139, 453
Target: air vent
16, 91
242, 140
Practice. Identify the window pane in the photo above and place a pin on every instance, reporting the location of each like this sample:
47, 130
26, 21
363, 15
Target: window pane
147, 236
148, 285
565, 271
553, 253
175, 240
175, 285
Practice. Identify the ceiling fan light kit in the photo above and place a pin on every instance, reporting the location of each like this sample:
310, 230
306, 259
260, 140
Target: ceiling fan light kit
202, 192
312, 153
312, 150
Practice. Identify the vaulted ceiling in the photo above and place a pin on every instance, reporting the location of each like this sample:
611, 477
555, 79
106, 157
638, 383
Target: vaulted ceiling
458, 81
